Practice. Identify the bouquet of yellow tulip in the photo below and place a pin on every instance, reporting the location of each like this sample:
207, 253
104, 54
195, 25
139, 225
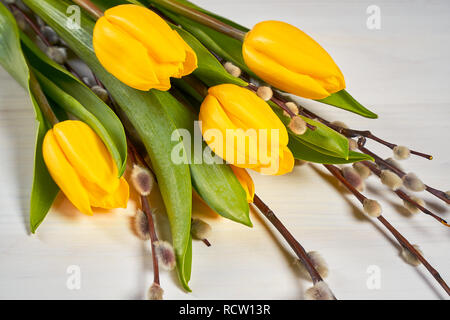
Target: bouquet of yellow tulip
188, 100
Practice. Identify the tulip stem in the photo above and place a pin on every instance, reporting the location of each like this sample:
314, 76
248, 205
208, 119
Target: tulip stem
293, 243
196, 15
402, 240
90, 8
41, 99
402, 195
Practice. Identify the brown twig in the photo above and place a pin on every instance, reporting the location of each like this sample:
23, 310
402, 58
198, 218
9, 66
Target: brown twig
402, 240
293, 243
90, 8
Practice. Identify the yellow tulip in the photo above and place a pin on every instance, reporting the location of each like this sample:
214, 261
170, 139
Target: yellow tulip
82, 167
246, 182
241, 128
140, 49
289, 59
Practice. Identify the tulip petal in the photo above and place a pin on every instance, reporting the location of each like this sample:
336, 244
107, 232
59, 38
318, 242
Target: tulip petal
117, 199
253, 112
87, 154
111, 45
246, 182
150, 30
285, 164
64, 175
283, 78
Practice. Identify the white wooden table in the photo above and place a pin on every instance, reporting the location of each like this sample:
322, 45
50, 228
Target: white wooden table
400, 70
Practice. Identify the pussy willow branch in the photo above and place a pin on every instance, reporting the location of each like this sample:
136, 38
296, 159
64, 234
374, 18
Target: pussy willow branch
402, 195
402, 240
437, 193
293, 243
147, 210
90, 8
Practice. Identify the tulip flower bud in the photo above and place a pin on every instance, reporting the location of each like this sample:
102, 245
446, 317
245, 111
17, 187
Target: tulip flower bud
82, 167
246, 182
241, 128
288, 59
140, 49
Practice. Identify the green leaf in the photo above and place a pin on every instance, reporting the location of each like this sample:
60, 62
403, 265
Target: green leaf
151, 122
303, 152
44, 190
215, 183
323, 139
77, 99
342, 99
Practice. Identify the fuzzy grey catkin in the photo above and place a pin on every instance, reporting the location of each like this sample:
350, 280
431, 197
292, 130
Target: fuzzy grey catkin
141, 225
318, 262
372, 208
50, 35
57, 54
353, 177
142, 180
235, 71
390, 179
155, 292
352, 144
165, 254
411, 207
297, 125
409, 257
340, 124
320, 291
100, 92
393, 163
200, 229
264, 93
292, 107
401, 152
413, 183
362, 170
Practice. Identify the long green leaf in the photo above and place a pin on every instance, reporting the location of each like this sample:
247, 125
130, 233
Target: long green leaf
44, 190
151, 122
303, 152
342, 99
